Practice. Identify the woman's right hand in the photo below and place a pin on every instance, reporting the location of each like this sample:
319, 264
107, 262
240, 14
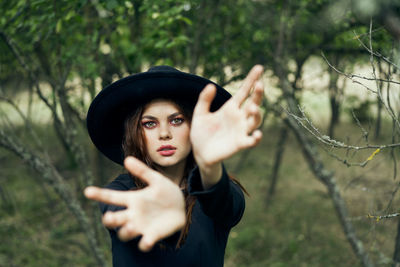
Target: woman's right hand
218, 135
155, 212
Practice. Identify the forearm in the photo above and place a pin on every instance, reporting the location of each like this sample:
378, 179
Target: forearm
223, 202
210, 173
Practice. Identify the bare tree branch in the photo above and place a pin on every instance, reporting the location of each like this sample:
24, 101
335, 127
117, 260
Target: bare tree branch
327, 177
52, 177
307, 124
357, 36
380, 217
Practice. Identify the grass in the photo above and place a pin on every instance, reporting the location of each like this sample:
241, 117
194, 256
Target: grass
299, 227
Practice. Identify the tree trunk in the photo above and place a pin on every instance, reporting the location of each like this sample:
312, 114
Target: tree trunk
378, 120
52, 177
7, 201
333, 98
280, 147
310, 151
379, 102
316, 165
396, 256
328, 179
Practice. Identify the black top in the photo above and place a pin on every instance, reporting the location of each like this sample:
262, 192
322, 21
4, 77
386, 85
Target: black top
215, 212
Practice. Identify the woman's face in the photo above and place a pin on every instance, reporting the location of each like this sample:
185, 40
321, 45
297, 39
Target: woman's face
166, 133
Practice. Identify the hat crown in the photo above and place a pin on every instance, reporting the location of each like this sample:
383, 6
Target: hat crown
163, 68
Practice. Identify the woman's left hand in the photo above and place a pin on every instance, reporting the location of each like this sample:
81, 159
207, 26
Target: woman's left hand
154, 212
216, 136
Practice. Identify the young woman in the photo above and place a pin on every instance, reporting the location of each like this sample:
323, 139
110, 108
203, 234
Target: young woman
177, 204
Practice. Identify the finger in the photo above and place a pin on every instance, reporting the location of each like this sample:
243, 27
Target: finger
251, 109
205, 98
116, 218
253, 139
256, 96
147, 242
156, 231
128, 232
258, 93
108, 196
248, 83
254, 121
141, 170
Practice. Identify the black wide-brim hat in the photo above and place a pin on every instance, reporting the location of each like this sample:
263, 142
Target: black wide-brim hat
109, 109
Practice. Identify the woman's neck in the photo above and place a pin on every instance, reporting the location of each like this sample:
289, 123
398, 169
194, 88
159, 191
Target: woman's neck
174, 173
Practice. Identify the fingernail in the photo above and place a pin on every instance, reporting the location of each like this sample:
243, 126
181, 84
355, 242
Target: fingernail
129, 160
88, 191
144, 247
254, 109
210, 86
107, 217
260, 67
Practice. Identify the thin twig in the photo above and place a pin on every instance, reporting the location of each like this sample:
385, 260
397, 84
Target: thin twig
351, 76
26, 120
356, 36
380, 217
327, 140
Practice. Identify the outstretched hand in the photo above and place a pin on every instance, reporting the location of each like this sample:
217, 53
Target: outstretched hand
155, 212
216, 136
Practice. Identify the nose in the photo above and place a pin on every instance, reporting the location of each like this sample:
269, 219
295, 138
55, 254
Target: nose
165, 133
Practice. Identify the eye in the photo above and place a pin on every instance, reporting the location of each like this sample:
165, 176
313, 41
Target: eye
177, 121
149, 124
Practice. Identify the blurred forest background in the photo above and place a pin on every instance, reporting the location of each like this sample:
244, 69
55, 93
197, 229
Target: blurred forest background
323, 182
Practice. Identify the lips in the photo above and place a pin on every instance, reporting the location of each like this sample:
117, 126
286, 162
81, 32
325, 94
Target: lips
166, 150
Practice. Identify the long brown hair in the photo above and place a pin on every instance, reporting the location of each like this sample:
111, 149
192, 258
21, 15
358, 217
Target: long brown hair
134, 145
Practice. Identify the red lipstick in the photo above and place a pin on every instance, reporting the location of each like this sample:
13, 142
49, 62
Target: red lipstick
166, 150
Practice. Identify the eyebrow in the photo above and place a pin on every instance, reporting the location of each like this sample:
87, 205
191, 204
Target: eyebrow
173, 115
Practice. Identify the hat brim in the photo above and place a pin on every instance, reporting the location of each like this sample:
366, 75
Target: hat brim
110, 108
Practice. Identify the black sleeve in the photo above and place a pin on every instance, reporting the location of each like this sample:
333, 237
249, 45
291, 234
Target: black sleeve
223, 202
122, 183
